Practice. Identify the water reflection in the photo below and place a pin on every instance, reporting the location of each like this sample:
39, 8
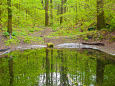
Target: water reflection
11, 71
57, 67
99, 72
47, 69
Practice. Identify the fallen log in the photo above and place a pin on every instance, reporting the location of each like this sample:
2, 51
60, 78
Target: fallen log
3, 50
93, 43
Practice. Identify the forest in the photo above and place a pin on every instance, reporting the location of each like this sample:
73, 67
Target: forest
37, 21
57, 42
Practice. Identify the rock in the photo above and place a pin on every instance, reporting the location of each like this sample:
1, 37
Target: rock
50, 45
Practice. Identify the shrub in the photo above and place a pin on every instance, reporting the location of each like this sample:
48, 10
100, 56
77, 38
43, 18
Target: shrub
6, 34
14, 34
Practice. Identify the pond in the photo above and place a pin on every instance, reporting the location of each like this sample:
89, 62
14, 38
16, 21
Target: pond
57, 67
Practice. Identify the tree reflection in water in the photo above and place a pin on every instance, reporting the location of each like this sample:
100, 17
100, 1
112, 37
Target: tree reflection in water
57, 67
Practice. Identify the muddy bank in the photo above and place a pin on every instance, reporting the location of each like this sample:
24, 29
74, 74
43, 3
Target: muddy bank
64, 45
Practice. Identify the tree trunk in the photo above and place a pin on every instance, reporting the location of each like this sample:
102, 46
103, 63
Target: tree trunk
42, 3
46, 13
51, 12
63, 10
65, 6
61, 18
0, 16
9, 16
58, 9
100, 14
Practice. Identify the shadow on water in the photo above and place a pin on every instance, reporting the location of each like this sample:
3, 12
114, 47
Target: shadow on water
57, 67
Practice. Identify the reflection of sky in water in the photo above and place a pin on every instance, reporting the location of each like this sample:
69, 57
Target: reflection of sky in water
56, 79
75, 45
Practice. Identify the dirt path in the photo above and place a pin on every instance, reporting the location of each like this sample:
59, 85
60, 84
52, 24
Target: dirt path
42, 33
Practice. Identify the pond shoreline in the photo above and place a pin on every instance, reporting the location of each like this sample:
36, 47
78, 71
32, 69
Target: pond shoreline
64, 45
109, 46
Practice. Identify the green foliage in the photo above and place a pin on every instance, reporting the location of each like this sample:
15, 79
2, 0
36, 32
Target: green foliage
86, 39
6, 34
80, 15
14, 34
30, 66
14, 40
27, 39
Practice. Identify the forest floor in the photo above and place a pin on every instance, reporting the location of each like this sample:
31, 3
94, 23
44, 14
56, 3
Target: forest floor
45, 36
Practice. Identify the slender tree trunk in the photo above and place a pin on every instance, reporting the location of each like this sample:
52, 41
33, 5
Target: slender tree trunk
76, 12
58, 9
51, 12
63, 10
0, 16
61, 18
42, 3
65, 7
9, 16
46, 13
100, 14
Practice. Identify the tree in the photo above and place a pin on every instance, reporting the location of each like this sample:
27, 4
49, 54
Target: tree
0, 15
65, 6
46, 13
100, 14
51, 12
61, 18
63, 10
9, 17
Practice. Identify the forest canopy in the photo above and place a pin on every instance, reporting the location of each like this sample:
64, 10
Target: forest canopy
64, 16
66, 13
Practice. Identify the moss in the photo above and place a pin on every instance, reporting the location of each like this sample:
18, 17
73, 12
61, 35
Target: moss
50, 45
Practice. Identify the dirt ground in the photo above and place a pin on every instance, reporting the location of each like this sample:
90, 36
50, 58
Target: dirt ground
109, 46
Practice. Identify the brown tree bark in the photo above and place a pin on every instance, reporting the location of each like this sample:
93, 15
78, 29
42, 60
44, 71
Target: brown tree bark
100, 14
9, 17
46, 13
42, 3
58, 9
65, 6
51, 12
61, 18
63, 10
0, 16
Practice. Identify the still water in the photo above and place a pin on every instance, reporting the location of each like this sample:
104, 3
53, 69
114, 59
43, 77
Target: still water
57, 67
